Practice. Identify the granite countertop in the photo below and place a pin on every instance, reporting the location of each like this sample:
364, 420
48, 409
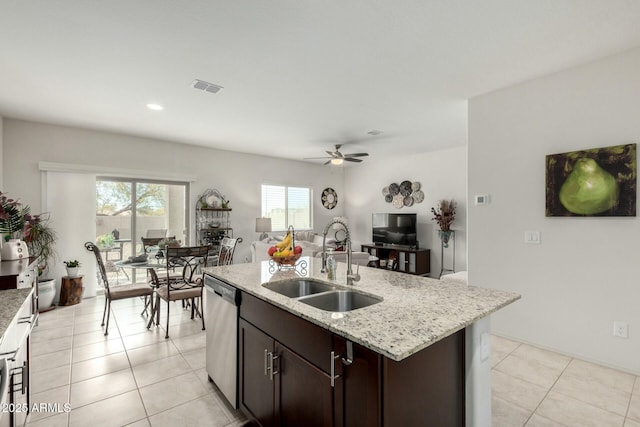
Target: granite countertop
10, 302
415, 312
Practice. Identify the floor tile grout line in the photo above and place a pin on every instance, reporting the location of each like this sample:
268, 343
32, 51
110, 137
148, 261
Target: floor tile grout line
135, 380
626, 414
228, 414
507, 354
589, 403
547, 394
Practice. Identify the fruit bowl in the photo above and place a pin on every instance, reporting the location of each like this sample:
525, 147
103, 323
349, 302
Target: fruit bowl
286, 260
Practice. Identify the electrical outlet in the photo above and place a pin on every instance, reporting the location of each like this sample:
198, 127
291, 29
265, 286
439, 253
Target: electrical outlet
620, 329
485, 346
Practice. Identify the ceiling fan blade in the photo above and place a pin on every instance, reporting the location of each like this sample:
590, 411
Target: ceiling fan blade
327, 162
330, 153
316, 158
349, 159
356, 155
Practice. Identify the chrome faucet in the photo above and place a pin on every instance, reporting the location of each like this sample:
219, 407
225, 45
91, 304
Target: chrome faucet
350, 276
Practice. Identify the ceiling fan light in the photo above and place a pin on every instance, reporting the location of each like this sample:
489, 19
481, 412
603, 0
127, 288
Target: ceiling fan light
336, 161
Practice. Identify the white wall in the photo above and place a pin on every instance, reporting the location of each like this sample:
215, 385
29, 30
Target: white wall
238, 176
1, 154
442, 175
585, 273
72, 197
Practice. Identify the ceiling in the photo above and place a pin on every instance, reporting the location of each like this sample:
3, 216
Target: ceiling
298, 76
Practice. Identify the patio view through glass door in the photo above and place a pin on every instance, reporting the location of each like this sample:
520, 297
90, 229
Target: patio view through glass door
127, 210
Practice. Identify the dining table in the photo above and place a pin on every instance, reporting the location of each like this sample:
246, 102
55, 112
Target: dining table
150, 263
155, 263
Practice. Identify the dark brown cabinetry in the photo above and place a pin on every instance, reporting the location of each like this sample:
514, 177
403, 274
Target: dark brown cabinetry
304, 394
398, 258
256, 387
359, 394
295, 373
279, 386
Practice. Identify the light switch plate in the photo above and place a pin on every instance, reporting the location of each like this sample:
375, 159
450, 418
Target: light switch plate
533, 237
481, 199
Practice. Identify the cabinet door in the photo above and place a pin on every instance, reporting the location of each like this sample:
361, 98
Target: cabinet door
358, 400
304, 395
256, 388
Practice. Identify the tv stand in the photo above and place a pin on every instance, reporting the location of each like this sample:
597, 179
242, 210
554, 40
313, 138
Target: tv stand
400, 258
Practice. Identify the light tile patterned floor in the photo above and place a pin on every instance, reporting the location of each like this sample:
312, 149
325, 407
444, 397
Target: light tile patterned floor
535, 388
135, 377
132, 377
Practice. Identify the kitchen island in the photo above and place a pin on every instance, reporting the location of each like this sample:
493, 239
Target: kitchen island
414, 356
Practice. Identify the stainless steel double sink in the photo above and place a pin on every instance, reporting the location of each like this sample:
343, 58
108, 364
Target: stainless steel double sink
322, 295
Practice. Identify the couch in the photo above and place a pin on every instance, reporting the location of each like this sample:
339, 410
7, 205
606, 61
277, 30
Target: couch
310, 243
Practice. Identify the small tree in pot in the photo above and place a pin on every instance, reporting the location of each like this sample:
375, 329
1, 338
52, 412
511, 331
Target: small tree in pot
41, 239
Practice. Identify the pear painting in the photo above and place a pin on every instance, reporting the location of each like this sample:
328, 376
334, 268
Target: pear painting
589, 189
595, 182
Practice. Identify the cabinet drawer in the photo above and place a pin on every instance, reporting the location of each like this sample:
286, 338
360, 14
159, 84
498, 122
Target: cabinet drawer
27, 279
308, 340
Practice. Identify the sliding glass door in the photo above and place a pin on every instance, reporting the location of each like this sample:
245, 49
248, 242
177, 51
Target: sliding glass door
128, 209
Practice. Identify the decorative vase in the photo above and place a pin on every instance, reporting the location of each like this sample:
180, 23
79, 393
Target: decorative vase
46, 293
445, 236
72, 271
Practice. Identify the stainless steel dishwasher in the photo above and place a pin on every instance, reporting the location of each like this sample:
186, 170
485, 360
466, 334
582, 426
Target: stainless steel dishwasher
221, 320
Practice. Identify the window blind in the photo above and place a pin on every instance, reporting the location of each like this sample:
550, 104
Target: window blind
287, 206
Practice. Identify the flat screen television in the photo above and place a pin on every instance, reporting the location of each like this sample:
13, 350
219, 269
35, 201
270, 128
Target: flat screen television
395, 229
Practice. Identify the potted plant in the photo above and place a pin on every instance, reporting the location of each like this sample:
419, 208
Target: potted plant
72, 267
105, 241
12, 223
41, 239
444, 214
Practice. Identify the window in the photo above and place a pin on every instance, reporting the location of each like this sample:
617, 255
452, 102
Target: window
287, 206
128, 209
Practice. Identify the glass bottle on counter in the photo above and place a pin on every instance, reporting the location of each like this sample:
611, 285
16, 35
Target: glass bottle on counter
331, 266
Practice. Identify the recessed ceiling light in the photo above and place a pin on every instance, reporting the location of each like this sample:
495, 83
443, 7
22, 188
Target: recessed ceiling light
336, 161
155, 107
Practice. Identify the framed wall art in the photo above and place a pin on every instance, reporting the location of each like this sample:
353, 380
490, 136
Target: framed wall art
329, 198
594, 182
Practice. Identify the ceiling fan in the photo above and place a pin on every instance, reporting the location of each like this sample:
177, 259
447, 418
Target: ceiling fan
336, 157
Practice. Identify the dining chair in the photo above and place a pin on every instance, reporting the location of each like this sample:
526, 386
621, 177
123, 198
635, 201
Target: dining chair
227, 249
185, 287
152, 242
162, 232
114, 293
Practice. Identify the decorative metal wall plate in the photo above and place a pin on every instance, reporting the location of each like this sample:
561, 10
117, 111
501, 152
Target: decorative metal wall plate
404, 194
329, 198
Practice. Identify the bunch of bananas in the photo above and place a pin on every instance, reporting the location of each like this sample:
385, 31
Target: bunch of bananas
284, 248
